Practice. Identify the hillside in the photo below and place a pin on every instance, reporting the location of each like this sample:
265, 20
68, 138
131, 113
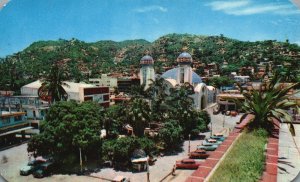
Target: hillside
109, 56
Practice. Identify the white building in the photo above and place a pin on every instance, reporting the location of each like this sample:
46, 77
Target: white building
104, 80
76, 91
242, 79
184, 74
147, 71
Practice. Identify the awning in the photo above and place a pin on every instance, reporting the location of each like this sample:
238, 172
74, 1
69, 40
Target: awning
144, 159
16, 131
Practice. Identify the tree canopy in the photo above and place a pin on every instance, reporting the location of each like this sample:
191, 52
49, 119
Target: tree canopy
68, 127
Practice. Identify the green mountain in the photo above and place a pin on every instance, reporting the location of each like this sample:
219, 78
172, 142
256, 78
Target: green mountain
109, 56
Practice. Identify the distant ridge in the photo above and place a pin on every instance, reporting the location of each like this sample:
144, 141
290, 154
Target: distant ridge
109, 56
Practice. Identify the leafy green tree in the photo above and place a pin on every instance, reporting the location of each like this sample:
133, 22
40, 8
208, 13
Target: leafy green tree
68, 127
180, 108
115, 118
146, 144
120, 150
229, 69
205, 116
288, 74
171, 134
219, 82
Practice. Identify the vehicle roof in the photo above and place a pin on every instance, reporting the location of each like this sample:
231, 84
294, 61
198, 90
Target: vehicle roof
188, 160
211, 140
199, 150
46, 164
118, 178
218, 134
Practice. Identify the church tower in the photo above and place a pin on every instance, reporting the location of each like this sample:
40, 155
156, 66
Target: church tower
184, 73
147, 71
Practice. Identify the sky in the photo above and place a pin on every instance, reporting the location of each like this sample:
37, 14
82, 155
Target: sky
23, 22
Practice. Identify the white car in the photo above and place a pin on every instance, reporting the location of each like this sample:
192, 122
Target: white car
121, 179
26, 170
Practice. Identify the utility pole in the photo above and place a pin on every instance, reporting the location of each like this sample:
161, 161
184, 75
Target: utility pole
148, 172
80, 157
211, 128
189, 143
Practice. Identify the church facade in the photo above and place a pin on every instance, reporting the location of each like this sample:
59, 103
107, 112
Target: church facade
183, 73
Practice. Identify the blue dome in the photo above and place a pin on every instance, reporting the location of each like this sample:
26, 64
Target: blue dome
184, 55
173, 74
147, 60
184, 58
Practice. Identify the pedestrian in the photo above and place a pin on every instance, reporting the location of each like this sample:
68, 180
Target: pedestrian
29, 157
173, 170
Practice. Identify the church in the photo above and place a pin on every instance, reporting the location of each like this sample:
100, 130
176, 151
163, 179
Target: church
183, 73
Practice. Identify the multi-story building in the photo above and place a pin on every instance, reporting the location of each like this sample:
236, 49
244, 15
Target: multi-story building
105, 81
12, 123
125, 83
76, 91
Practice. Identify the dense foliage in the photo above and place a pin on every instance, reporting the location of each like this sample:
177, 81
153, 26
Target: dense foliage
120, 151
219, 82
85, 60
171, 134
68, 127
115, 118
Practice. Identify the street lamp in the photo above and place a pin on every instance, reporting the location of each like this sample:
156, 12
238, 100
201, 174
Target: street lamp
148, 172
189, 143
224, 120
211, 128
80, 158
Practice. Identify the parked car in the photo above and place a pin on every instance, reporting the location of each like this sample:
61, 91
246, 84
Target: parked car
198, 154
30, 167
26, 170
187, 164
211, 142
219, 138
121, 179
207, 147
43, 170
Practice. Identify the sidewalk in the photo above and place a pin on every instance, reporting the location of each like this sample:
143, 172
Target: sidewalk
288, 155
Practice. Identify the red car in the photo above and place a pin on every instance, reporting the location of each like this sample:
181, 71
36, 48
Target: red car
187, 164
198, 154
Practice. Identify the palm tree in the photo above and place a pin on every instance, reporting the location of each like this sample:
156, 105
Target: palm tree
137, 91
52, 86
138, 115
157, 92
271, 101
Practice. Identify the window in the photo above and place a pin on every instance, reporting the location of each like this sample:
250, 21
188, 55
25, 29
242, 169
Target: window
181, 75
5, 121
144, 75
18, 118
